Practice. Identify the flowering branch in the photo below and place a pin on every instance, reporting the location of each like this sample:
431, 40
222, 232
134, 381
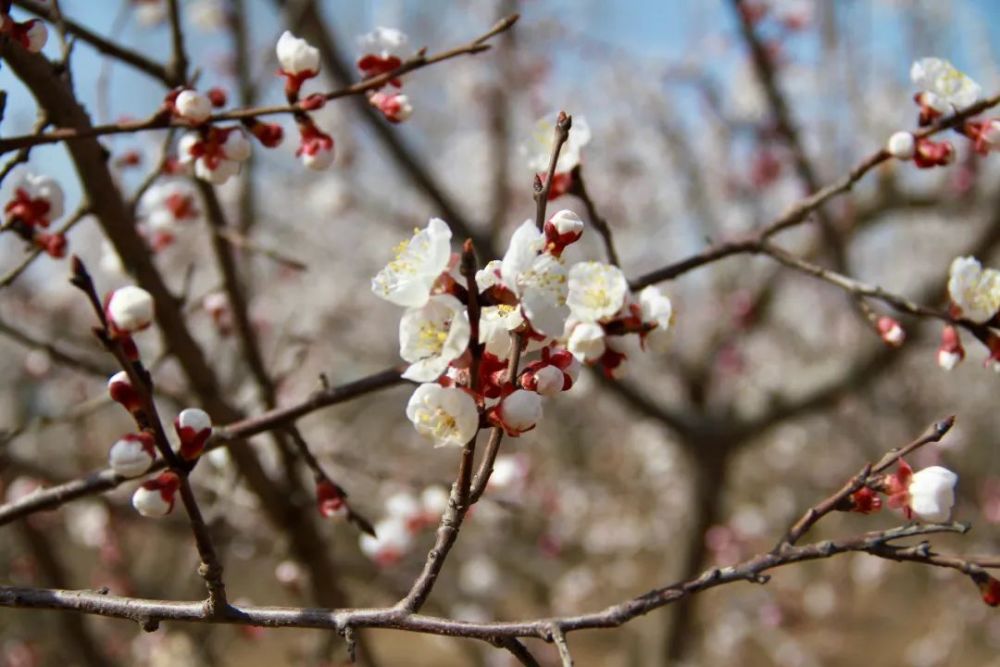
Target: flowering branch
148, 421
149, 613
836, 501
105, 480
801, 210
105, 46
161, 120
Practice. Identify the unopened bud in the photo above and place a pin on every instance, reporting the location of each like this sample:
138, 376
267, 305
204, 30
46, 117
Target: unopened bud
950, 352
132, 454
901, 145
129, 309
193, 106
330, 500
122, 391
194, 427
890, 331
155, 498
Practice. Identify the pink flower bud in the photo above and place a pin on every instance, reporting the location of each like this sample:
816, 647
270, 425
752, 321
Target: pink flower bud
890, 331
951, 352
316, 149
217, 96
155, 498
331, 501
562, 229
518, 413
122, 391
933, 153
129, 309
132, 454
193, 106
193, 427
268, 134
395, 107
989, 588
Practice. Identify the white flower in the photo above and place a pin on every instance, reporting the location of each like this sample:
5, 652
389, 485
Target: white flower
495, 326
656, 309
539, 151
538, 279
975, 290
597, 291
383, 42
520, 412
408, 279
522, 251
489, 275
447, 415
434, 500
237, 145
944, 86
164, 204
432, 336
296, 56
586, 341
131, 455
193, 106
45, 188
37, 36
392, 542
130, 309
932, 493
901, 145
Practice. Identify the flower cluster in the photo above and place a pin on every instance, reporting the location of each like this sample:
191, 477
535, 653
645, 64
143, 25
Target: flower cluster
134, 454
36, 203
460, 348
214, 153
538, 152
407, 515
975, 297
927, 495
381, 52
164, 208
942, 90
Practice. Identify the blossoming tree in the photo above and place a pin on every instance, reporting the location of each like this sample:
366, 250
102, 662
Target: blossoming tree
533, 441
